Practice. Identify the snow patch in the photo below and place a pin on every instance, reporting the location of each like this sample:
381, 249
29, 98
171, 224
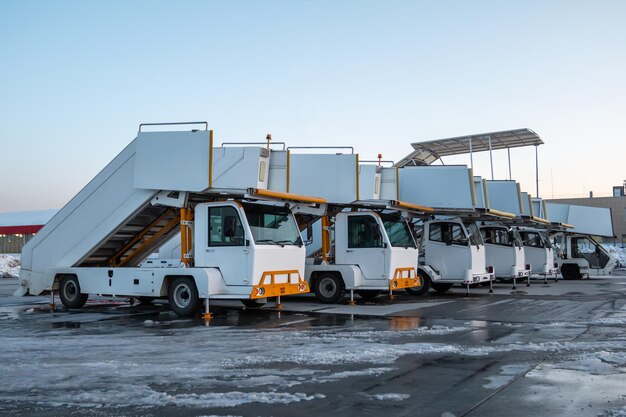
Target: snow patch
508, 374
616, 412
349, 374
596, 363
618, 252
10, 265
124, 396
389, 397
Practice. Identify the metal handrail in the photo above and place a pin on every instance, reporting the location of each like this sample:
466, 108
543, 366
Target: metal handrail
206, 124
382, 161
322, 147
255, 143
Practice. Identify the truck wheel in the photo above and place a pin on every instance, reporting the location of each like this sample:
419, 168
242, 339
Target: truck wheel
183, 296
329, 288
254, 303
422, 289
368, 295
441, 287
570, 271
69, 292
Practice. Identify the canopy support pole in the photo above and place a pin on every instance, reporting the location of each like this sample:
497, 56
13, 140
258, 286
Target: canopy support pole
537, 168
509, 152
490, 157
472, 155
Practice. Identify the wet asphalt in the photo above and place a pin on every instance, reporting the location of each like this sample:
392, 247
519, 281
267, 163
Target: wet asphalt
556, 349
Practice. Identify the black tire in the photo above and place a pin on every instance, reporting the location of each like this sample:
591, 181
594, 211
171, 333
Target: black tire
69, 292
183, 296
422, 289
329, 288
254, 302
570, 271
441, 287
368, 295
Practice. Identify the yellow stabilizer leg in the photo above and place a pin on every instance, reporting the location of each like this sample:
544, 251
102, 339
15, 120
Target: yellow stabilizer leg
207, 315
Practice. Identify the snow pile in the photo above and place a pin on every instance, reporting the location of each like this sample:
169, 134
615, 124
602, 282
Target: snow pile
618, 252
9, 266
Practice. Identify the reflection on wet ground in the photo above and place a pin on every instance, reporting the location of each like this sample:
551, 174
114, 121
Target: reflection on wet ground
505, 354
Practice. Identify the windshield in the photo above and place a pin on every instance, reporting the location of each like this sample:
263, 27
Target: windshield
474, 234
546, 240
398, 231
535, 239
501, 236
272, 225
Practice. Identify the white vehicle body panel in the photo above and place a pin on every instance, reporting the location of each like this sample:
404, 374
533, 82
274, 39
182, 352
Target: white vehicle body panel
337, 182
594, 221
508, 260
449, 186
453, 263
505, 196
541, 260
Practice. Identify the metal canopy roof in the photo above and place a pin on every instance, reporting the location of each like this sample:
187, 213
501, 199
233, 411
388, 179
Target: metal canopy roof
426, 153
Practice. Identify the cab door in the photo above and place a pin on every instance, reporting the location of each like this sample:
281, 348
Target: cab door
448, 250
224, 244
365, 245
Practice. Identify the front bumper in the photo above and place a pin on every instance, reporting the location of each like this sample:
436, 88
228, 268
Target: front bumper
274, 289
479, 278
404, 278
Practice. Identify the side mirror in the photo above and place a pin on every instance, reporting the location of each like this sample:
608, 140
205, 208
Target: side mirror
247, 242
309, 233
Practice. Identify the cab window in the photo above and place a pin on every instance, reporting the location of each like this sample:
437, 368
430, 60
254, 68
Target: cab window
532, 239
364, 232
447, 233
497, 236
225, 228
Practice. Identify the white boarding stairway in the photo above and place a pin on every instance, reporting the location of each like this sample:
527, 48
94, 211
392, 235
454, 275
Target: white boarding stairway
119, 217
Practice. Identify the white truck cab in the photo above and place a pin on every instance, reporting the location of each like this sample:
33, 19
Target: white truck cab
580, 255
452, 253
369, 252
539, 252
505, 251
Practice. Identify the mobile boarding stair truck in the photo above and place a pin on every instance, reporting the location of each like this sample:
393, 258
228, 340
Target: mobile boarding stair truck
503, 243
579, 253
163, 183
362, 243
535, 234
451, 248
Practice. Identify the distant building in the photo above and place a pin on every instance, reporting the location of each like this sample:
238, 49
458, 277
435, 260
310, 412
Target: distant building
617, 204
17, 228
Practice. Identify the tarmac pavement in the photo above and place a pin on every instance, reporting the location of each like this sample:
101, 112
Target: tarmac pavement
548, 350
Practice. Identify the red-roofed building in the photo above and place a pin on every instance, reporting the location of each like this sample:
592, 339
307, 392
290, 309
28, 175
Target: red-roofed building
17, 228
